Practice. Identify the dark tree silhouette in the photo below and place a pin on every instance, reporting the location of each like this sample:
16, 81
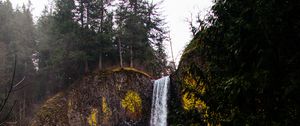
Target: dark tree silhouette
5, 100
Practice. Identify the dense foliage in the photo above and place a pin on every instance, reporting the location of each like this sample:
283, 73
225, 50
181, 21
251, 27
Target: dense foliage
248, 58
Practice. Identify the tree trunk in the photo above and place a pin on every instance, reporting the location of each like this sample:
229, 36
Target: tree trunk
131, 57
101, 32
24, 106
88, 14
172, 54
86, 66
100, 61
120, 53
102, 17
20, 110
81, 13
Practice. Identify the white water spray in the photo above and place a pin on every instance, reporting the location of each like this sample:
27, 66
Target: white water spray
159, 108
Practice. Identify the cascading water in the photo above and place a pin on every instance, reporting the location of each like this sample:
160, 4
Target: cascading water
159, 108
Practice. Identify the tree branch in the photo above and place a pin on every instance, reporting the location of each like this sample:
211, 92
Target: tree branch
10, 88
7, 116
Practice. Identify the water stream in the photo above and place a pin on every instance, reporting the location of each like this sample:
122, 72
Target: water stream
159, 108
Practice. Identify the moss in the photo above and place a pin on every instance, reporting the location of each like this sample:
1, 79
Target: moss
115, 93
106, 111
92, 119
105, 108
191, 102
191, 82
54, 111
130, 69
69, 104
191, 47
132, 102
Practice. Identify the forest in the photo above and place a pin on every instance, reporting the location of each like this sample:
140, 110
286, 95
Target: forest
96, 62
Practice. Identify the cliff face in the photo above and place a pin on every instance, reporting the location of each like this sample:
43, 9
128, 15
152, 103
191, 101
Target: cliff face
117, 97
186, 108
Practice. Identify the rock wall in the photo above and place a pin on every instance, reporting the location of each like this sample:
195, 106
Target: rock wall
185, 106
109, 98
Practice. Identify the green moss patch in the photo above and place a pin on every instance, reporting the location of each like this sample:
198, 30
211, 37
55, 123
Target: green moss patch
53, 112
130, 69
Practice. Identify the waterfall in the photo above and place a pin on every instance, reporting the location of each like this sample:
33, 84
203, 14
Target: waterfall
159, 108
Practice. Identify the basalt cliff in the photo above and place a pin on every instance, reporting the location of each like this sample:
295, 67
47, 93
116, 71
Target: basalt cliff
120, 96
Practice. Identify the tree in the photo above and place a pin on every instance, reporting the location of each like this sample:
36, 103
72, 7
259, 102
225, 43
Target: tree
6, 32
20, 41
58, 45
102, 23
5, 100
141, 31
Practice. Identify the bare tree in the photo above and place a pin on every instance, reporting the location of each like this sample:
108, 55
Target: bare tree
4, 102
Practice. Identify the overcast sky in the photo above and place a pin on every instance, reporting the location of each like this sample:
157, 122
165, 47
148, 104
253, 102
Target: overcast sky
176, 13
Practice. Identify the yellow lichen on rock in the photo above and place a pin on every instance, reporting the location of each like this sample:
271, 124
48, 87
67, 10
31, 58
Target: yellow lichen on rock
105, 108
191, 102
190, 82
106, 111
132, 102
69, 104
92, 119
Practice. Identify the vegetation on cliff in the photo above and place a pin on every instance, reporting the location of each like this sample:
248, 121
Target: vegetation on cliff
53, 112
111, 97
244, 62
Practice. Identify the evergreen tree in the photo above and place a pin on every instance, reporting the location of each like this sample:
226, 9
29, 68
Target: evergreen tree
17, 39
102, 23
58, 44
6, 32
141, 31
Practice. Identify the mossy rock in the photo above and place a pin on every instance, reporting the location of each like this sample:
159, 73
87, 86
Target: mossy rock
112, 97
53, 112
185, 108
